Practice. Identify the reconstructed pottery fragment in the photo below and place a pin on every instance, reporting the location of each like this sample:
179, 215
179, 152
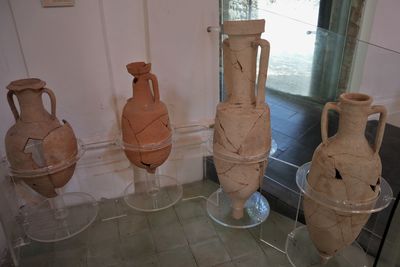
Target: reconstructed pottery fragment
345, 168
146, 129
242, 134
38, 139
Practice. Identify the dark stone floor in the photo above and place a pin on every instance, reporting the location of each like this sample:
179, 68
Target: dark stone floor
296, 129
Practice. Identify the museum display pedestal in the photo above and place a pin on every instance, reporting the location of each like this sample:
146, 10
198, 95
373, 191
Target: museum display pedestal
301, 251
60, 217
219, 208
256, 209
156, 192
149, 191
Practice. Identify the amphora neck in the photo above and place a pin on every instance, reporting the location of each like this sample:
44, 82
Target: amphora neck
29, 94
142, 92
354, 111
240, 60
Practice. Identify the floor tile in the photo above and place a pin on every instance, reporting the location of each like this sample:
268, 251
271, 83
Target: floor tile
238, 242
36, 261
190, 209
137, 246
132, 224
170, 236
281, 112
78, 241
104, 254
289, 128
282, 140
280, 177
275, 258
103, 232
275, 230
37, 249
254, 259
162, 218
123, 208
297, 154
198, 229
312, 137
210, 253
202, 188
226, 264
107, 209
179, 257
144, 261
69, 257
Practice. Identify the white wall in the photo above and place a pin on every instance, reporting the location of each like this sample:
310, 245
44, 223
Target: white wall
180, 43
378, 64
81, 53
11, 66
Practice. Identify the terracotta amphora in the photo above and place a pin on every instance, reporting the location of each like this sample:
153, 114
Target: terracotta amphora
345, 168
38, 139
146, 129
242, 134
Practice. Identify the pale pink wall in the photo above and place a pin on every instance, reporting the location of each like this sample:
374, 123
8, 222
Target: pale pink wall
381, 71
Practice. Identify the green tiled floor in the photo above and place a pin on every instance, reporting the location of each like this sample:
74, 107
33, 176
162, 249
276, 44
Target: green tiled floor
181, 236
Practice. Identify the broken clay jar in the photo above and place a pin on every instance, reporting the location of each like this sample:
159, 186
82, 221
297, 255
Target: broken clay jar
242, 134
346, 169
146, 131
38, 139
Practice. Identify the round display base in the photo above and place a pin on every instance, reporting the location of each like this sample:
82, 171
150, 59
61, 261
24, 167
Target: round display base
219, 208
274, 147
61, 217
301, 252
138, 197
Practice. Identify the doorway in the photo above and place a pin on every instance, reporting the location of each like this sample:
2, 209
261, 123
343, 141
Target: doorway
308, 40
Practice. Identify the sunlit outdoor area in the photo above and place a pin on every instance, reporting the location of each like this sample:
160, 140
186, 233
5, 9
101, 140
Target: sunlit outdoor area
290, 28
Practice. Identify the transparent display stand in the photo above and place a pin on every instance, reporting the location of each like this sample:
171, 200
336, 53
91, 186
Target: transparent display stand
60, 217
300, 250
148, 191
256, 209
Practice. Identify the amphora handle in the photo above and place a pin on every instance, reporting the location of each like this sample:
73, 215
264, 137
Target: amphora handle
11, 103
381, 125
263, 69
154, 81
52, 97
324, 119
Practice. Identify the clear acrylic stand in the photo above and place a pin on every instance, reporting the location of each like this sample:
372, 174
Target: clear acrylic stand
300, 250
60, 217
151, 192
256, 211
154, 192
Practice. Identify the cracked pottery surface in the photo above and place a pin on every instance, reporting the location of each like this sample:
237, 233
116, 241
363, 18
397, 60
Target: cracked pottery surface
242, 123
145, 121
38, 139
344, 168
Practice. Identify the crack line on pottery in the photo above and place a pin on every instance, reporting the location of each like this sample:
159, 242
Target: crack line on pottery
151, 122
227, 139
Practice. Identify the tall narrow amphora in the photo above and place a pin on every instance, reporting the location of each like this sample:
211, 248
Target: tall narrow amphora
345, 173
38, 144
242, 134
146, 130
